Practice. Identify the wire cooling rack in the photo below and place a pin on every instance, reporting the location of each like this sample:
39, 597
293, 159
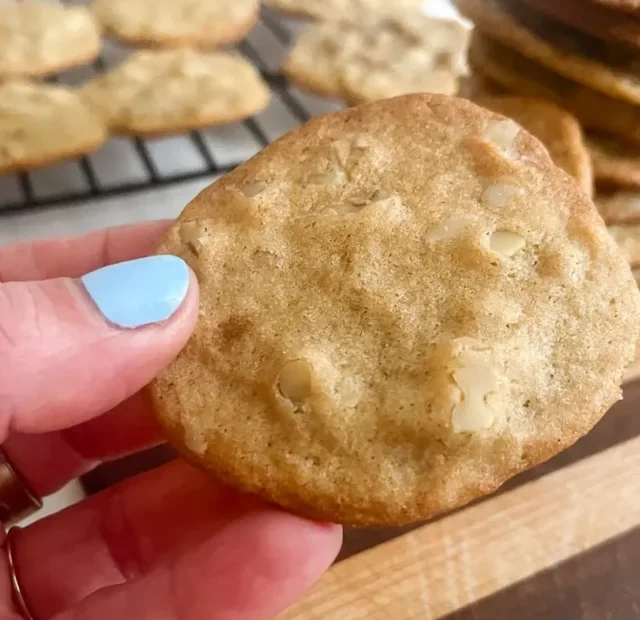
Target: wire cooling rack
126, 165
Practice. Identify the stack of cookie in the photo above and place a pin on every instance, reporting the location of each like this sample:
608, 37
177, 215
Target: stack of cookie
583, 56
176, 84
366, 50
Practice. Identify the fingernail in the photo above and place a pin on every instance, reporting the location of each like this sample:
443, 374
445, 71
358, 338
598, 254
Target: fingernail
139, 292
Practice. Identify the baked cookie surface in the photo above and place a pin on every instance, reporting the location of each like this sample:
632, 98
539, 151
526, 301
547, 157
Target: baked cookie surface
521, 76
42, 125
156, 92
563, 50
203, 23
379, 57
558, 130
341, 9
41, 38
402, 305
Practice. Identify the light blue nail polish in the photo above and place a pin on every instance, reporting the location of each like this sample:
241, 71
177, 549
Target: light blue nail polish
139, 292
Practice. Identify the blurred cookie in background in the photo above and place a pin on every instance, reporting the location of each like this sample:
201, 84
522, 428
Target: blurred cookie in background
177, 23
619, 207
379, 57
170, 91
42, 38
517, 74
41, 125
592, 18
616, 163
559, 48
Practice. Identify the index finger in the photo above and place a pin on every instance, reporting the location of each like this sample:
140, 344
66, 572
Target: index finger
72, 257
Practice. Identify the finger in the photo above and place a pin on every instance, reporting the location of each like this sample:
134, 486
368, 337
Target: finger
146, 523
48, 461
72, 257
253, 569
72, 349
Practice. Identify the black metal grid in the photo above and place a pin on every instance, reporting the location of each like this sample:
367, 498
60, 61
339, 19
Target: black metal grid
276, 82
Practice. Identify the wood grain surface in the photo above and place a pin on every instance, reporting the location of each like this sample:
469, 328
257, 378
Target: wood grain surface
560, 542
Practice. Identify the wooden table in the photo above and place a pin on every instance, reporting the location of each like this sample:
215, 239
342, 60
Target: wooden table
561, 542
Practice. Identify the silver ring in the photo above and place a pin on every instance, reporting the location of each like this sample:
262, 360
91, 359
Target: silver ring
19, 599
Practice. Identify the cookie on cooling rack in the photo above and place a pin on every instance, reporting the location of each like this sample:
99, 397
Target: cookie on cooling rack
557, 47
379, 57
177, 23
558, 130
40, 38
42, 125
342, 9
156, 92
402, 305
595, 110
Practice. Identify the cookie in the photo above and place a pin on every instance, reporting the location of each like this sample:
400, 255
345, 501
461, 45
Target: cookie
619, 207
591, 18
377, 58
167, 91
633, 372
473, 85
177, 23
558, 130
403, 304
628, 6
41, 38
615, 163
628, 239
521, 76
563, 50
42, 125
328, 10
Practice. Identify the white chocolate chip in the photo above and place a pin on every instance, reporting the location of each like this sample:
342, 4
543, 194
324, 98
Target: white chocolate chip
503, 135
500, 195
194, 235
506, 243
472, 414
448, 229
294, 381
253, 189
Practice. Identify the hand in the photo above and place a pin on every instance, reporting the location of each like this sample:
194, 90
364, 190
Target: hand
171, 544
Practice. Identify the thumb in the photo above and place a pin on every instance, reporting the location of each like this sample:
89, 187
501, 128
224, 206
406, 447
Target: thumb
73, 349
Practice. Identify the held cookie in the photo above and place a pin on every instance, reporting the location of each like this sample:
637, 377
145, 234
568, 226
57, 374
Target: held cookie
167, 91
558, 48
42, 125
615, 163
41, 38
377, 58
403, 304
520, 75
342, 9
558, 130
175, 23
